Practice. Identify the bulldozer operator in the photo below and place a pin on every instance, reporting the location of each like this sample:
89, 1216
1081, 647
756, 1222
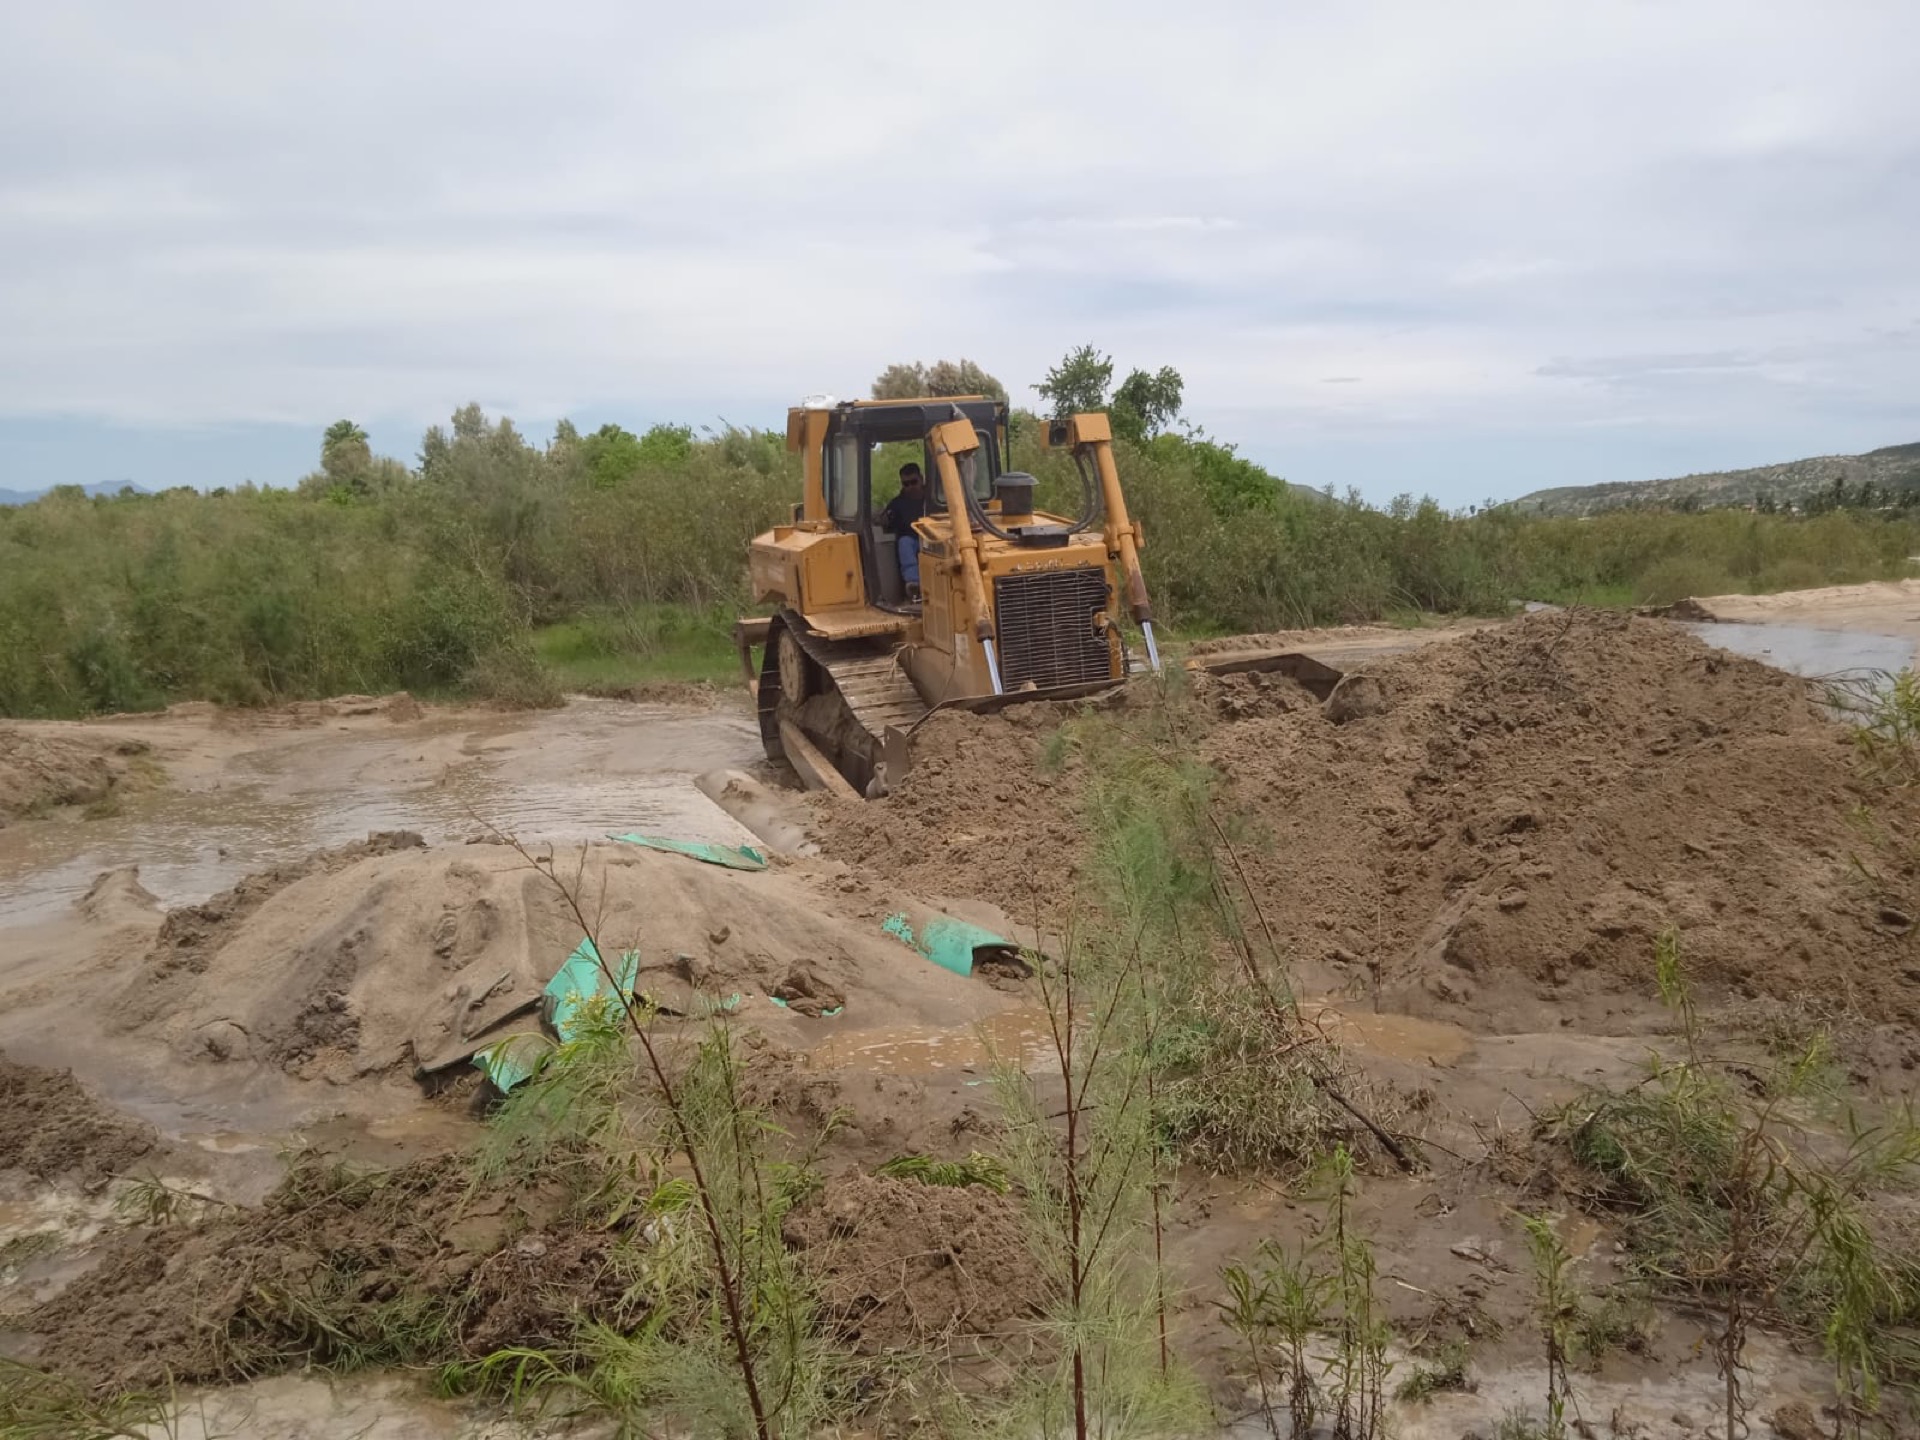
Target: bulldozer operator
901, 511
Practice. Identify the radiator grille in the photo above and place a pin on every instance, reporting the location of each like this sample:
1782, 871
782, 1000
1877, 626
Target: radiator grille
1045, 625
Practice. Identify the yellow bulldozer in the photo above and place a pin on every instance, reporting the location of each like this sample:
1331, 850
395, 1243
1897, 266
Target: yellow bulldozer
1012, 603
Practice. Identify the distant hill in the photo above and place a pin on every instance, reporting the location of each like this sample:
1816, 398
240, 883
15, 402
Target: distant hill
1897, 467
105, 487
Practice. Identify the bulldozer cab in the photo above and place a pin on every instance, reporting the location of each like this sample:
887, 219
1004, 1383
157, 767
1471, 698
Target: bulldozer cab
857, 490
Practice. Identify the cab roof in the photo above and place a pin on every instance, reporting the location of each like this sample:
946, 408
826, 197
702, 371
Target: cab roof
881, 421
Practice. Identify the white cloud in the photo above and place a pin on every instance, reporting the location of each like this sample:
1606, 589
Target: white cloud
1469, 216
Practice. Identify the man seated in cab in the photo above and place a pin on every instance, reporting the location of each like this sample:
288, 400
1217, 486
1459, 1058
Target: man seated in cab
905, 508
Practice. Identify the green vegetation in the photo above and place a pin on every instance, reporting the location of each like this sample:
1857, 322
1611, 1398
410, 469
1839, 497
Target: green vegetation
614, 651
1744, 1206
36, 1405
498, 567
1288, 1299
976, 1169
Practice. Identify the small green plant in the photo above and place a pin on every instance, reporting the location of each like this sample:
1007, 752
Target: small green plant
1887, 732
22, 1248
1669, 968
1325, 1289
728, 1345
1093, 1206
1360, 1366
976, 1169
1559, 1307
1517, 1424
1617, 1318
149, 1200
1447, 1371
1277, 1308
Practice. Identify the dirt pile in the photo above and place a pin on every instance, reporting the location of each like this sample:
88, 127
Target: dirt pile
392, 958
986, 812
50, 1127
1494, 829
901, 1264
39, 772
1504, 835
412, 1266
422, 1265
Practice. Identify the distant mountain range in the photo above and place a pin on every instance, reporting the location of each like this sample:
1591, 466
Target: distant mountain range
1897, 467
105, 487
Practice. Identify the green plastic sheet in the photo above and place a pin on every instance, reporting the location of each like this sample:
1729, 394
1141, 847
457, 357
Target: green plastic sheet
580, 981
947, 942
511, 1062
734, 857
824, 1014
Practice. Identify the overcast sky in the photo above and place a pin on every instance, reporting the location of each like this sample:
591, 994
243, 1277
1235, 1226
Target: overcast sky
1469, 249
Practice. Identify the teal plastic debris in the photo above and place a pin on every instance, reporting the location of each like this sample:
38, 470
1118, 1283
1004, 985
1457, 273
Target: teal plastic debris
580, 981
511, 1062
734, 857
949, 943
824, 1014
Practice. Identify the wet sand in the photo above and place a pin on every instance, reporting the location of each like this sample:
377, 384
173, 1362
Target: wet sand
246, 792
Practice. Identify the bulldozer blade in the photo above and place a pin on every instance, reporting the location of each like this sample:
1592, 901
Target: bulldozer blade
896, 743
1316, 675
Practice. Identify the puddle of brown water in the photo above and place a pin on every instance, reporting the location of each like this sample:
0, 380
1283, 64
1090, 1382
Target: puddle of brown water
1026, 1034
1400, 1037
276, 795
371, 1406
1021, 1035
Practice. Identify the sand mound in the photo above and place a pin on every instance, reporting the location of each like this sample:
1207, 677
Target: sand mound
904, 1264
190, 935
392, 957
41, 771
49, 1126
1493, 828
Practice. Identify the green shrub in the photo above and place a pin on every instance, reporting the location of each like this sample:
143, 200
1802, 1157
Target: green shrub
635, 547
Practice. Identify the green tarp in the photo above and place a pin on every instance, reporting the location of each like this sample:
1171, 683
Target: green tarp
734, 857
578, 983
511, 1061
949, 943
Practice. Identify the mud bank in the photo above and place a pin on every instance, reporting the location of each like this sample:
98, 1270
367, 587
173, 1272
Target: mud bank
43, 773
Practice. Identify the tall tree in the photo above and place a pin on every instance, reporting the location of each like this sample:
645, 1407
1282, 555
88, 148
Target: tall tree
911, 380
345, 453
1144, 405
1078, 383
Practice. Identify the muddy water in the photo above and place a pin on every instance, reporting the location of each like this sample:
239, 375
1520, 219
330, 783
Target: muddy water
1015, 1036
272, 795
1804, 650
